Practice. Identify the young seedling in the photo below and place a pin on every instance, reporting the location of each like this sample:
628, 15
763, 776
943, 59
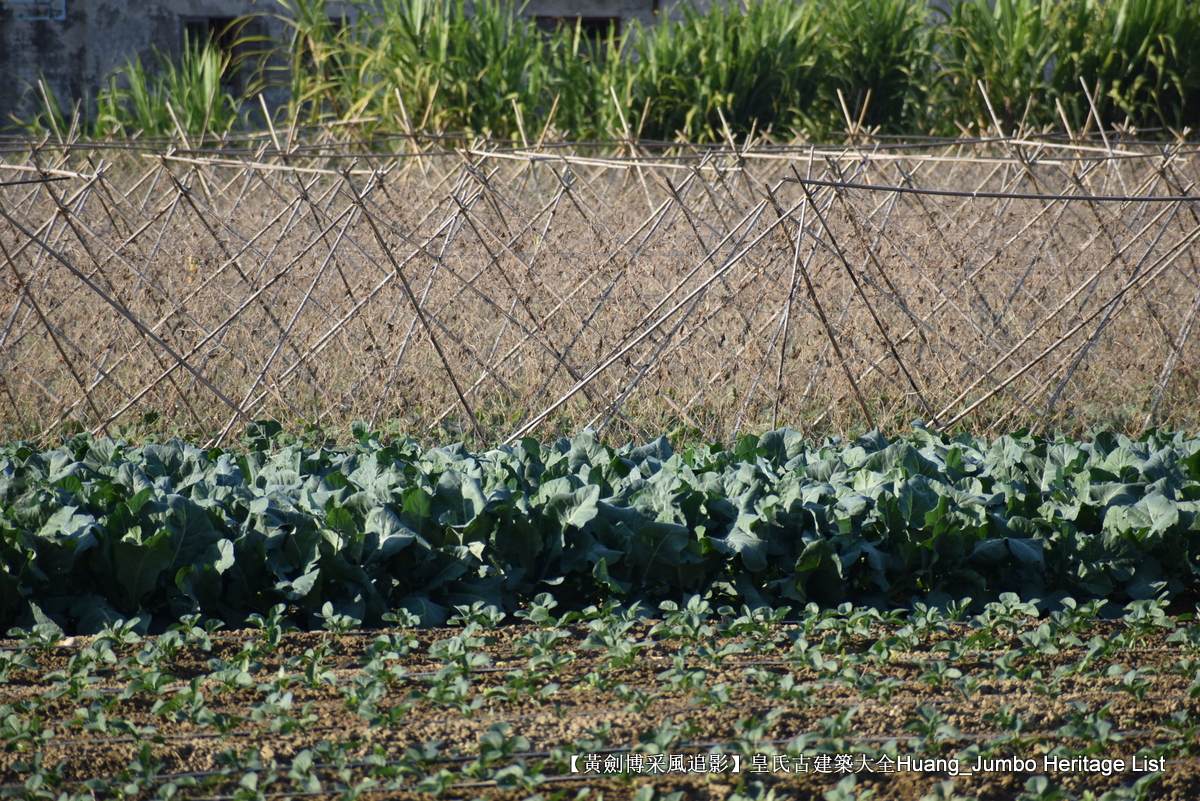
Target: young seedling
824, 668
968, 687
753, 734
301, 772
1039, 788
1044, 640
1147, 618
19, 732
870, 685
151, 681
236, 674
938, 673
44, 636
497, 744
847, 790
955, 650
316, 673
717, 656
1095, 729
760, 625
926, 621
454, 692
437, 784
1135, 682
688, 624
120, 635
836, 731
416, 760
482, 615
277, 712
194, 635
619, 650
681, 677
273, 627
335, 623
402, 619
42, 780
75, 681
1009, 720
541, 612
933, 725
391, 647
1182, 734
659, 739
462, 651
1075, 618
13, 661
636, 700
716, 697
540, 646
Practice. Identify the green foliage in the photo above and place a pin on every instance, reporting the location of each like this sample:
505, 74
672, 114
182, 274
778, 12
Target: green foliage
758, 66
95, 532
482, 72
1035, 56
998, 53
1137, 57
51, 117
899, 66
187, 95
885, 48
322, 65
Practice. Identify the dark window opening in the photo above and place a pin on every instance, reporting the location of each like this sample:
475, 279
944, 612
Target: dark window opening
593, 31
229, 35
33, 10
218, 30
339, 23
330, 41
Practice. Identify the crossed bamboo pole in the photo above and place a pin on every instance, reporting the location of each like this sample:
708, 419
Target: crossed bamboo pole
330, 282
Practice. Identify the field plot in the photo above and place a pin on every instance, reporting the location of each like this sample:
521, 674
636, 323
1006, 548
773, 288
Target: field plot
834, 704
488, 290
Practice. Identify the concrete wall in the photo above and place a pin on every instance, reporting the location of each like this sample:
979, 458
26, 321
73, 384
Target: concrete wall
94, 37
627, 10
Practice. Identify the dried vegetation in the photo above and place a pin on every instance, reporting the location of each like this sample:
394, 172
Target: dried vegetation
481, 290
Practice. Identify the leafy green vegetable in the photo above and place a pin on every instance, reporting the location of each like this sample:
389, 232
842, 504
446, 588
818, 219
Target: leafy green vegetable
96, 529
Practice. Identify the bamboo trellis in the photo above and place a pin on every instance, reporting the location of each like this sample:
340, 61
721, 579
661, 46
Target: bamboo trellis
446, 288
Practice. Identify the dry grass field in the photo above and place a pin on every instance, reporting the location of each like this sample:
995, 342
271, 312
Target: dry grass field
486, 291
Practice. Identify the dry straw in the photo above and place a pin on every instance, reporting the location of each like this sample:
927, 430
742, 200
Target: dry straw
480, 290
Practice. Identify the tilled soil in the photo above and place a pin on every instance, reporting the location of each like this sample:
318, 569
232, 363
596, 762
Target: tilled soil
605, 711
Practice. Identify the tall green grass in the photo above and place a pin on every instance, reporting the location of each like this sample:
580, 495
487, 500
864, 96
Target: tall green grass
896, 66
485, 73
1140, 59
886, 48
185, 94
321, 67
435, 64
996, 57
761, 65
1134, 62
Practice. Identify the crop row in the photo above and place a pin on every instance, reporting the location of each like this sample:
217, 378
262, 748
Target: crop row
97, 530
794, 701
899, 66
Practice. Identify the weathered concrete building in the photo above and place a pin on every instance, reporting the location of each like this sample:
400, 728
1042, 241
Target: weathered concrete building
74, 44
